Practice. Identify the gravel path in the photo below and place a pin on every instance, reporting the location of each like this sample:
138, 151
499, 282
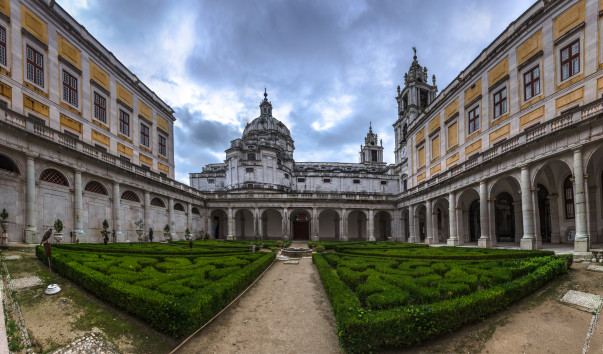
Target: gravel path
286, 311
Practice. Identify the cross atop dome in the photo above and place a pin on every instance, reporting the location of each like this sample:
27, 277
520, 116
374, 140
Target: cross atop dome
265, 106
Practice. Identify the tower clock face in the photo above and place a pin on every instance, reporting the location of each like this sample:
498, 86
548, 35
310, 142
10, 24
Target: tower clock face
372, 143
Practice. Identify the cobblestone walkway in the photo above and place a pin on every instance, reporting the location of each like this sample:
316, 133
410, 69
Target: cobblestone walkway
90, 343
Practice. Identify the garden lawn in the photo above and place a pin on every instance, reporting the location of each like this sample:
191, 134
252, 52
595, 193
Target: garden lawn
391, 302
172, 287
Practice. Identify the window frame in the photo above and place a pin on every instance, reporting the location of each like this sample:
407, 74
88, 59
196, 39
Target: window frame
42, 52
5, 45
70, 88
122, 122
448, 125
559, 47
476, 118
530, 70
502, 102
571, 59
569, 201
143, 127
96, 93
162, 147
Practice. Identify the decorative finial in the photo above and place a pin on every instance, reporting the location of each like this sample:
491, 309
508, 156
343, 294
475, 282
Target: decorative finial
433, 79
370, 127
265, 94
414, 50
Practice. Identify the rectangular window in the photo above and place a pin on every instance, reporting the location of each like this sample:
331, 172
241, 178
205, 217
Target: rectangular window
124, 123
452, 135
249, 170
531, 83
356, 181
144, 135
3, 60
326, 180
100, 108
70, 88
211, 181
35, 66
435, 147
162, 144
301, 180
473, 120
383, 182
500, 103
421, 156
570, 60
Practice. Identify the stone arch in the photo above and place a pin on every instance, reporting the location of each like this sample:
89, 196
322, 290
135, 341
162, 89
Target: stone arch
300, 221
179, 207
218, 224
507, 218
244, 227
328, 224
9, 164
96, 187
55, 176
543, 165
441, 220
468, 225
382, 225
594, 170
131, 196
272, 224
420, 225
158, 202
356, 225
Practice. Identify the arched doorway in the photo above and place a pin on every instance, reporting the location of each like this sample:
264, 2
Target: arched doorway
244, 224
474, 223
356, 225
328, 228
218, 225
382, 226
505, 218
272, 224
544, 211
421, 213
301, 226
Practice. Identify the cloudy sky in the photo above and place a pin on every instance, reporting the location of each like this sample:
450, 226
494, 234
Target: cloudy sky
330, 66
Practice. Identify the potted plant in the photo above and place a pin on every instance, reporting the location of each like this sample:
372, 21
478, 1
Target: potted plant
166, 233
4, 222
58, 227
187, 234
104, 232
139, 229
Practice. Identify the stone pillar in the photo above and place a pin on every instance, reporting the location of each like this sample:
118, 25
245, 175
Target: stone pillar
412, 238
554, 203
79, 230
370, 226
31, 231
171, 221
453, 239
536, 218
285, 225
259, 224
210, 226
403, 234
460, 224
528, 242
315, 225
492, 225
587, 206
189, 217
581, 242
428, 223
343, 223
230, 222
484, 217
116, 213
147, 215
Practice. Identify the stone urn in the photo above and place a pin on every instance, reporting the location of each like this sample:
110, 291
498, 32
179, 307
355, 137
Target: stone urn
4, 225
139, 233
167, 236
58, 236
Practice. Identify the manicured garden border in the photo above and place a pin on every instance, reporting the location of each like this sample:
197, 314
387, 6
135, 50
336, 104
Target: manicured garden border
175, 316
362, 330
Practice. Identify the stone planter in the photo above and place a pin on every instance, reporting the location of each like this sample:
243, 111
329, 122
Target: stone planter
4, 225
167, 236
58, 237
139, 233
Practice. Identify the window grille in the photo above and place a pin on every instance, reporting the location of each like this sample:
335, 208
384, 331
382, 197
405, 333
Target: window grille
95, 187
196, 211
54, 176
131, 196
178, 207
158, 203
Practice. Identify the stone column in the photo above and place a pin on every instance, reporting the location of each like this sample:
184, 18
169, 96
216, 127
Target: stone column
230, 222
460, 224
581, 242
370, 225
285, 225
147, 215
315, 225
536, 218
259, 224
403, 234
492, 225
116, 213
484, 217
189, 217
587, 205
31, 231
79, 230
412, 238
528, 242
453, 239
554, 203
343, 235
171, 221
428, 223
210, 226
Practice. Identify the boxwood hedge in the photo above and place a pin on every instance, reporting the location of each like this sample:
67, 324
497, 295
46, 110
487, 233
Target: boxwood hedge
387, 303
175, 294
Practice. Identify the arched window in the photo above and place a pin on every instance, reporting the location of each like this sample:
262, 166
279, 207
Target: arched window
196, 211
54, 176
251, 156
568, 196
95, 187
158, 202
178, 207
131, 196
7, 164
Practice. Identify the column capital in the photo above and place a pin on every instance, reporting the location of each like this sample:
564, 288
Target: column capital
32, 155
577, 148
524, 166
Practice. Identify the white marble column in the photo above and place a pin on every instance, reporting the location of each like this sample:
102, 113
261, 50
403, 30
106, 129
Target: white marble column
404, 236
587, 206
230, 223
370, 226
315, 225
453, 239
189, 217
260, 224
31, 231
492, 225
528, 242
484, 217
147, 215
79, 230
536, 217
555, 220
117, 213
428, 223
412, 238
581, 242
285, 225
171, 221
343, 235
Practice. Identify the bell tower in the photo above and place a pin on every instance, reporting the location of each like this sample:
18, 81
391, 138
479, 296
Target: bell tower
265, 106
372, 150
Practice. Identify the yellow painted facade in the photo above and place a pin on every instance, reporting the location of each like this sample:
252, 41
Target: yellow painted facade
571, 99
569, 19
435, 147
421, 156
145, 110
473, 92
452, 135
5, 7
529, 48
69, 52
476, 146
498, 72
124, 95
600, 82
435, 169
6, 91
434, 124
71, 124
163, 168
33, 24
500, 132
452, 160
35, 106
145, 159
99, 76
532, 116
121, 148
420, 135
421, 177
162, 123
452, 109
98, 137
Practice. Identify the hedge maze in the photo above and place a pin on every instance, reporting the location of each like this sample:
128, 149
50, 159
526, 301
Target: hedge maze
386, 298
174, 288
